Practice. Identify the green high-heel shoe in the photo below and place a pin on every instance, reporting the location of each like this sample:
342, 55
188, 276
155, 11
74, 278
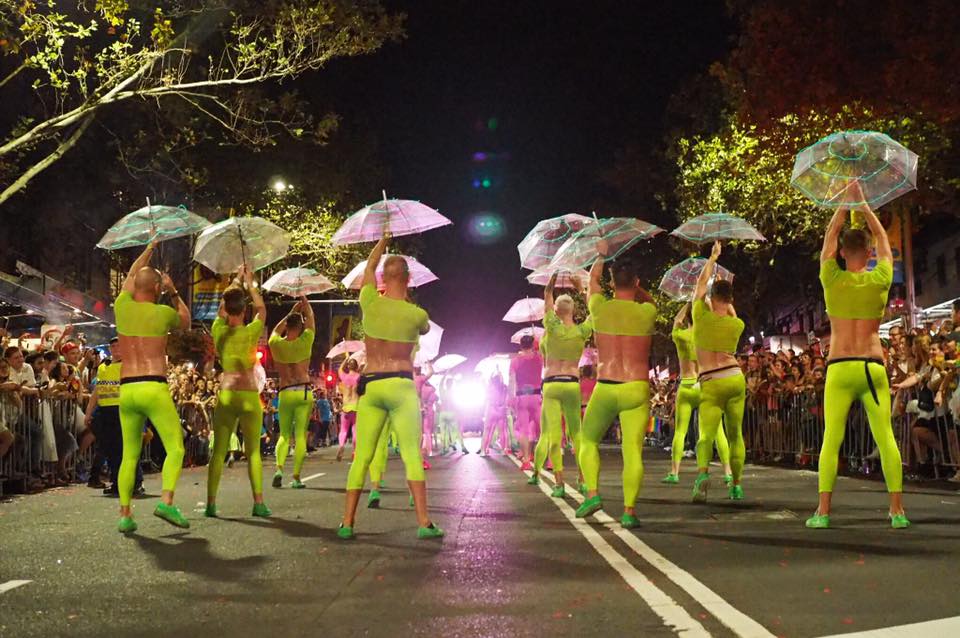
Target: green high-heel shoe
700, 487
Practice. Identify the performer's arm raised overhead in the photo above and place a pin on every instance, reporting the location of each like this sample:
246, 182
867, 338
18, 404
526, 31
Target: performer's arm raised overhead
701, 290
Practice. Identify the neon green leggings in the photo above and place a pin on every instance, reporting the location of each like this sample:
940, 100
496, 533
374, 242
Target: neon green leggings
294, 412
379, 464
449, 429
721, 400
396, 399
631, 401
846, 383
233, 406
561, 400
138, 402
688, 400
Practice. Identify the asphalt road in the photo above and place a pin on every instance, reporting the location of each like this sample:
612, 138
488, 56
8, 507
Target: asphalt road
514, 561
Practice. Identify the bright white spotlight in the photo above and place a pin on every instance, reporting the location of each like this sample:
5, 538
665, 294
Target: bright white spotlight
469, 395
279, 185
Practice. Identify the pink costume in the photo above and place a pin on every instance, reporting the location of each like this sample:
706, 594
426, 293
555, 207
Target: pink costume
495, 415
348, 418
527, 370
428, 411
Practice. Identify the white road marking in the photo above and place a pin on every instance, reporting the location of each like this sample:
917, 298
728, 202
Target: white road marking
672, 614
12, 584
313, 476
736, 620
943, 627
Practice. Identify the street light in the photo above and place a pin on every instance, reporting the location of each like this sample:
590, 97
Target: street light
279, 185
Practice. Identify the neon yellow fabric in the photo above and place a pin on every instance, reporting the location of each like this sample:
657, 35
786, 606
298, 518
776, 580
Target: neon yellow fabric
713, 332
139, 402
294, 411
143, 318
235, 406
631, 402
291, 351
379, 464
621, 317
561, 401
562, 342
391, 319
394, 398
686, 347
855, 295
237, 346
847, 382
108, 384
688, 400
722, 400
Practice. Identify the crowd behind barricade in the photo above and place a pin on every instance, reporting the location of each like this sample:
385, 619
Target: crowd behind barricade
49, 438
783, 421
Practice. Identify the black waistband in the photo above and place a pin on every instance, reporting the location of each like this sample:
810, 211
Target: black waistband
379, 376
150, 378
866, 371
524, 392
307, 388
706, 372
562, 378
610, 382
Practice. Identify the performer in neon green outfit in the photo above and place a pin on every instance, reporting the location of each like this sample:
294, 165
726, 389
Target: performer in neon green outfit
392, 327
291, 345
623, 327
688, 398
561, 346
856, 299
142, 326
239, 398
716, 333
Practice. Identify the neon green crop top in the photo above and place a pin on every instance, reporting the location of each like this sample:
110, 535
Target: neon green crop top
713, 332
621, 317
391, 319
856, 295
143, 318
563, 342
683, 339
236, 346
291, 351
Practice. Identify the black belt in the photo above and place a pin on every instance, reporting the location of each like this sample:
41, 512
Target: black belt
562, 378
379, 376
866, 371
706, 372
523, 392
610, 382
156, 378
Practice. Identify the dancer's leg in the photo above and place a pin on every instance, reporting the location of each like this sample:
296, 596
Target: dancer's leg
224, 422
840, 391
301, 420
635, 397
286, 410
881, 426
688, 397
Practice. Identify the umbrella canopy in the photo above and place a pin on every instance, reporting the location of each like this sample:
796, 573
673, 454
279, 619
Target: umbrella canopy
619, 234
447, 362
541, 243
566, 277
229, 244
419, 274
298, 282
525, 311
495, 363
429, 345
345, 347
590, 357
709, 227
151, 223
398, 216
681, 280
533, 331
826, 170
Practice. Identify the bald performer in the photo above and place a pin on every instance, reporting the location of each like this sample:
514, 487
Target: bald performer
143, 326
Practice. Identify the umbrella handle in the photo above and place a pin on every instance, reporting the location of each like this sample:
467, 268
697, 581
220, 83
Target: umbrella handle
243, 252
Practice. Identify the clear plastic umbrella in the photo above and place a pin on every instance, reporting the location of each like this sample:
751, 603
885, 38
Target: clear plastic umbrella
566, 277
447, 363
429, 345
533, 331
345, 347
590, 357
398, 216
619, 234
419, 274
541, 243
298, 282
826, 170
525, 311
229, 244
680, 281
709, 227
495, 363
151, 223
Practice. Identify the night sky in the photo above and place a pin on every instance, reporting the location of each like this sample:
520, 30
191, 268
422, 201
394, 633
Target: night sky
551, 89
